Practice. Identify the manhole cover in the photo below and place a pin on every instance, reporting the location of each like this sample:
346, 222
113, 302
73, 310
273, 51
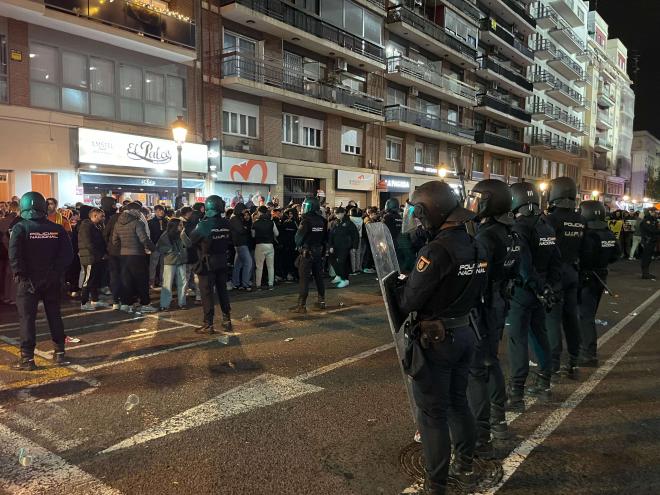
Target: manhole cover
412, 461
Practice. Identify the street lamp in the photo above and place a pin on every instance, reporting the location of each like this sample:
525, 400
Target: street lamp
179, 132
646, 200
442, 173
543, 186
595, 194
626, 198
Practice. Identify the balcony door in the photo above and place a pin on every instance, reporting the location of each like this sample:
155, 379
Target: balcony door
294, 72
240, 59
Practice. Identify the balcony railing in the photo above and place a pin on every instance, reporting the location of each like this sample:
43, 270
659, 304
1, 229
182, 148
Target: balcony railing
567, 61
169, 28
400, 113
276, 75
519, 79
556, 113
404, 14
378, 3
557, 85
503, 106
422, 71
501, 141
557, 144
491, 25
601, 117
300, 19
520, 10
603, 142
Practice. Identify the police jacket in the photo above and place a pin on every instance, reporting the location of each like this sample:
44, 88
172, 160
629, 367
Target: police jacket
449, 277
39, 248
599, 250
503, 248
312, 231
393, 220
264, 231
156, 228
540, 261
569, 228
649, 229
343, 235
130, 234
91, 244
211, 237
240, 230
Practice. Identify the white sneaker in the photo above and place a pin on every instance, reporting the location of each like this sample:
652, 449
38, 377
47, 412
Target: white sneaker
87, 307
342, 284
100, 304
146, 309
289, 278
336, 280
106, 291
418, 437
126, 307
230, 286
369, 270
116, 307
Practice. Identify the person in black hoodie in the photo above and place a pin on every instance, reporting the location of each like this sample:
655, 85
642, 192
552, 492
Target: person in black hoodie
190, 218
343, 237
264, 233
287, 241
92, 252
241, 225
114, 267
157, 225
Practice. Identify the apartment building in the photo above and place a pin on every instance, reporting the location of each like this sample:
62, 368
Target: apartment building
88, 91
645, 164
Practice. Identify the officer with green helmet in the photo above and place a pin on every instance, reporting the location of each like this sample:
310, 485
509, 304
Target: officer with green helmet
211, 237
311, 239
39, 253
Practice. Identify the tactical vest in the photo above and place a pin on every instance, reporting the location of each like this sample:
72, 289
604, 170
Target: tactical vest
604, 246
569, 228
543, 242
316, 228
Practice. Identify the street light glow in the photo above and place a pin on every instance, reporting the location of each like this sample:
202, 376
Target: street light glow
646, 200
179, 130
595, 193
442, 172
543, 186
626, 197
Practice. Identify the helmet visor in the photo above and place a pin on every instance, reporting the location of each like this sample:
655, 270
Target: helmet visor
410, 223
472, 202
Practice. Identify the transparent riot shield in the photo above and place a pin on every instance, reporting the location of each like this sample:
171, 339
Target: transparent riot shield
387, 266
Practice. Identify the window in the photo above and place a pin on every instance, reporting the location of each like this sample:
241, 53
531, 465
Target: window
351, 140
353, 18
393, 148
239, 118
426, 154
460, 29
395, 96
302, 131
102, 85
44, 75
3, 67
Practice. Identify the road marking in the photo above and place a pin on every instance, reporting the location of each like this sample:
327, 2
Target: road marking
44, 320
95, 325
344, 362
46, 372
49, 474
262, 391
142, 334
46, 356
41, 431
26, 393
557, 417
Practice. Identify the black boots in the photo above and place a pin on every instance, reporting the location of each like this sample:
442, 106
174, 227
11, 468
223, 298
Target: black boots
24, 364
515, 400
60, 359
205, 330
541, 388
226, 323
300, 308
320, 303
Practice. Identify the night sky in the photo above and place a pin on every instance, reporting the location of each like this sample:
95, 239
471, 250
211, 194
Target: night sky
637, 24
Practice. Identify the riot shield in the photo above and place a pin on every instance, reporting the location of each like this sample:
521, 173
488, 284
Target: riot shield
387, 268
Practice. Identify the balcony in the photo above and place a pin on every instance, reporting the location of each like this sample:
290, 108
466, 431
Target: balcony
567, 67
602, 144
510, 80
567, 39
564, 94
544, 50
558, 148
272, 80
569, 10
502, 144
502, 110
494, 34
408, 120
545, 16
467, 8
606, 98
296, 26
556, 118
603, 121
407, 23
514, 13
542, 111
412, 73
542, 80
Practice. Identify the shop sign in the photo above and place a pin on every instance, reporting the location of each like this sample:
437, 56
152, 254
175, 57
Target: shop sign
355, 181
80, 191
395, 183
247, 171
127, 150
121, 180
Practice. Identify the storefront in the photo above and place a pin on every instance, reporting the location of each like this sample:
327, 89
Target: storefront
393, 186
141, 168
245, 177
354, 186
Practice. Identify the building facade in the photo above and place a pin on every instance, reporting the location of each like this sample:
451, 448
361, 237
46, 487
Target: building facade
645, 165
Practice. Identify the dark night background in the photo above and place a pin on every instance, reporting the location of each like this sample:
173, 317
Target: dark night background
636, 23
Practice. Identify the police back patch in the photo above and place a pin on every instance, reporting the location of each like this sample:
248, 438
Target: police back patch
423, 263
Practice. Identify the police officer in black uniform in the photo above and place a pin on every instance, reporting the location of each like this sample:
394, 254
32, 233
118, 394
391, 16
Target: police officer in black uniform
569, 228
212, 237
490, 200
39, 253
650, 234
392, 218
538, 277
311, 241
446, 283
599, 249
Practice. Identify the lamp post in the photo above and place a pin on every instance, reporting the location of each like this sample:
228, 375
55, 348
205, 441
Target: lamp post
179, 132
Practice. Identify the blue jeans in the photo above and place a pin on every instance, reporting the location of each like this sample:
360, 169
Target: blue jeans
170, 273
242, 276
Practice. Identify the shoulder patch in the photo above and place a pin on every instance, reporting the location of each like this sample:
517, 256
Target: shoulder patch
422, 263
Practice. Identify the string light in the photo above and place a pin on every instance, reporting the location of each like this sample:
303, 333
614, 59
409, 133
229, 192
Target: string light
159, 10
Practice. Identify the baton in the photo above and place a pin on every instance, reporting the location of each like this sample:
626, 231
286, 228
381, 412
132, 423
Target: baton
607, 289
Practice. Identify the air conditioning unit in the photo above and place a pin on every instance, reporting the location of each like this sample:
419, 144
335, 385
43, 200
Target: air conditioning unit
341, 65
413, 91
245, 145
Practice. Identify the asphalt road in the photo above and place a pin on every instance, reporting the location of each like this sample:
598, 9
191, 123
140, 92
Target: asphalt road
303, 405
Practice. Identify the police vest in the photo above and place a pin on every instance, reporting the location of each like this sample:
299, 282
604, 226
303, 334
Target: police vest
604, 249
569, 228
543, 242
504, 249
316, 230
217, 240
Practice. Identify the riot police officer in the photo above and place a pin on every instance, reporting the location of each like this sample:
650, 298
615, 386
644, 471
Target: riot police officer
446, 283
538, 275
211, 237
650, 234
392, 218
39, 253
569, 229
599, 249
311, 239
490, 200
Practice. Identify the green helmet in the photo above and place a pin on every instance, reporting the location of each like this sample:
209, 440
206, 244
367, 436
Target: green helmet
33, 205
392, 204
214, 206
311, 205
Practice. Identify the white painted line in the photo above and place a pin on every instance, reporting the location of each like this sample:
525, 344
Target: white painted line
49, 474
37, 352
344, 362
95, 325
557, 417
44, 320
262, 391
143, 334
60, 444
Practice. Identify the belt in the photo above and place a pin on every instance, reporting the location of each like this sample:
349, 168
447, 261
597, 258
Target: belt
457, 322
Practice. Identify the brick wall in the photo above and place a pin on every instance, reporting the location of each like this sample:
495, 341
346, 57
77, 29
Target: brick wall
332, 139
19, 72
270, 126
374, 146
409, 152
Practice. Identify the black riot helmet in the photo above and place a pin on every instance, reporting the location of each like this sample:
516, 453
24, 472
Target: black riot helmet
524, 199
563, 191
489, 198
311, 205
594, 213
214, 206
33, 205
433, 204
391, 204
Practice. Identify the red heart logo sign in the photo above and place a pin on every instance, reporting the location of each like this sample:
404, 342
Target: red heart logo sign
245, 168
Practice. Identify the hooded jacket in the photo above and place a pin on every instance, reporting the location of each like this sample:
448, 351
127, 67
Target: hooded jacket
172, 249
130, 234
91, 245
343, 235
358, 222
240, 229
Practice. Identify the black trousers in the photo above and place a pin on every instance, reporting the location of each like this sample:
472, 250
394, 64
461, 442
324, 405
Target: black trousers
28, 295
340, 260
311, 267
207, 282
114, 269
134, 279
92, 280
564, 315
647, 253
590, 295
440, 394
